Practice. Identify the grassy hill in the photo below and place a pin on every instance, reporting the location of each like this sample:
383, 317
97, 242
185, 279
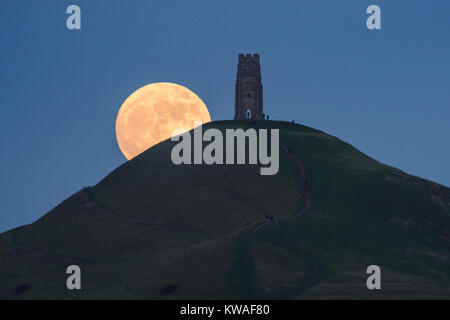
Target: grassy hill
153, 230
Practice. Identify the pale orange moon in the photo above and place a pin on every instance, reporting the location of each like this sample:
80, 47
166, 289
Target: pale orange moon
152, 113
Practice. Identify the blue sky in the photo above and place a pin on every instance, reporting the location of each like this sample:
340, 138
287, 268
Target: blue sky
386, 92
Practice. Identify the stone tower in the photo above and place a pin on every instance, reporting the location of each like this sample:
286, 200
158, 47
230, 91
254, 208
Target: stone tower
248, 100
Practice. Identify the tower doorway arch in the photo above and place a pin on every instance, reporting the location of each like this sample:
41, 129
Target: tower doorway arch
248, 114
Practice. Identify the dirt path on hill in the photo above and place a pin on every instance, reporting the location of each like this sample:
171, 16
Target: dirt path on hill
304, 180
315, 269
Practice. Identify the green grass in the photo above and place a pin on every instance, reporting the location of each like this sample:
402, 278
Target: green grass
150, 224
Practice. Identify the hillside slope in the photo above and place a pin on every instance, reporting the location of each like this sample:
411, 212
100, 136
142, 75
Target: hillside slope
154, 230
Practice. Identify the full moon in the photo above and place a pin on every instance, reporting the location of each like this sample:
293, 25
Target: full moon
151, 114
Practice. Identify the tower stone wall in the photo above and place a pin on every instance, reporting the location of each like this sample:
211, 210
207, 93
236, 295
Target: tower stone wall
249, 95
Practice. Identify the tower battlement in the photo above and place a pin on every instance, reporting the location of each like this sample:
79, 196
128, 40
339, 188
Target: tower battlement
248, 57
248, 98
